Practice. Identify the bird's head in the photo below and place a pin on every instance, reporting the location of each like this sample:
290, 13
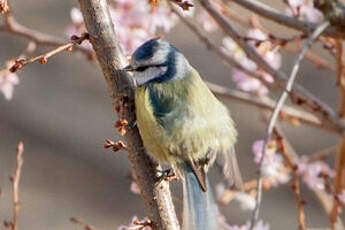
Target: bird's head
157, 61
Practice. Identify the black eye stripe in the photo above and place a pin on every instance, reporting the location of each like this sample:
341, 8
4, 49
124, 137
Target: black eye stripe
143, 68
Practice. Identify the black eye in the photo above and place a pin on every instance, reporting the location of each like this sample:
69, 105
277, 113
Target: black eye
141, 68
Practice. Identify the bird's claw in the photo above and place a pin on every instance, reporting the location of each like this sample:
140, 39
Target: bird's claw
166, 175
132, 125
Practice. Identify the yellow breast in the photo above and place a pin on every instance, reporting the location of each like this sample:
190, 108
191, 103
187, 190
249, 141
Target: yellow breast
152, 133
195, 123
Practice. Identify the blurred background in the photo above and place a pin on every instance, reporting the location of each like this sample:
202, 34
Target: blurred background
62, 113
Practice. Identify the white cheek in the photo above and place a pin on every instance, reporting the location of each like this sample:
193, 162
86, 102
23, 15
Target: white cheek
148, 74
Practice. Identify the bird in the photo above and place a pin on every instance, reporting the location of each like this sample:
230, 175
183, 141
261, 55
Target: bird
184, 125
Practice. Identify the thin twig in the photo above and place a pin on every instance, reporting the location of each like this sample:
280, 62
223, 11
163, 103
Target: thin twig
230, 194
185, 5
324, 198
326, 202
299, 94
30, 49
233, 15
287, 113
214, 48
292, 46
4, 7
82, 224
276, 111
13, 27
224, 23
20, 63
116, 146
278, 17
340, 158
321, 155
15, 179
156, 196
296, 185
320, 62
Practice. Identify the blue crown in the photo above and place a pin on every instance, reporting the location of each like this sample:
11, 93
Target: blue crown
146, 50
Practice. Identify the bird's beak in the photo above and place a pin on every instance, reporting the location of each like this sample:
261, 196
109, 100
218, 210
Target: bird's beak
129, 68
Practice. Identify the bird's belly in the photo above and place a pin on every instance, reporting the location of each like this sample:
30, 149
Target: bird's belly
187, 137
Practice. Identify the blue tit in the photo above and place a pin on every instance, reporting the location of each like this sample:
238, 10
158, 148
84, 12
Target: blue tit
183, 124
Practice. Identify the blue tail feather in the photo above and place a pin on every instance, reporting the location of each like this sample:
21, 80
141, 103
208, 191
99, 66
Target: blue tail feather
199, 208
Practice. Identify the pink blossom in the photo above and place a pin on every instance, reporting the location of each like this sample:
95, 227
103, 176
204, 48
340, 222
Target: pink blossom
133, 16
134, 188
257, 149
260, 225
125, 4
134, 225
7, 82
246, 201
273, 169
341, 197
131, 38
256, 34
237, 227
220, 190
206, 21
242, 80
185, 13
77, 27
161, 18
134, 21
231, 48
248, 84
312, 172
76, 16
305, 10
266, 49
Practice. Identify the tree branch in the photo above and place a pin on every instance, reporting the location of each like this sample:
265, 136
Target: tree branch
340, 158
81, 223
302, 96
214, 48
287, 113
43, 58
296, 184
325, 124
15, 179
13, 27
274, 116
156, 194
276, 16
324, 198
322, 154
291, 46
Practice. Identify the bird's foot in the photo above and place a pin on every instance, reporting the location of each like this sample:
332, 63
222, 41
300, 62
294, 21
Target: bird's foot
167, 175
132, 125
